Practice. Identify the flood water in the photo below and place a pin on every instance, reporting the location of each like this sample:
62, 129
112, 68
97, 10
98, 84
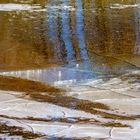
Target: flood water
62, 42
101, 35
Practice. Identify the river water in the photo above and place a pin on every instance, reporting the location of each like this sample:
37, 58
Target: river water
65, 41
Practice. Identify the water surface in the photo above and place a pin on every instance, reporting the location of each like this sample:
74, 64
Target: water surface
100, 36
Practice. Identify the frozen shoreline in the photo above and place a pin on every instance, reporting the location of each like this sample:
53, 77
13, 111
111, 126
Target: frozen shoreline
66, 122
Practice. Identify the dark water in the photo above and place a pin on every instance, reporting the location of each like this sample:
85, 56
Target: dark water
100, 35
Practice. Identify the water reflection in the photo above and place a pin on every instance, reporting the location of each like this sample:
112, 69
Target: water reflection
80, 29
92, 33
66, 34
56, 76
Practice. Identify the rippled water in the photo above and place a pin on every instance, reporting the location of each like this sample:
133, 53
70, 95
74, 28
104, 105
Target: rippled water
99, 35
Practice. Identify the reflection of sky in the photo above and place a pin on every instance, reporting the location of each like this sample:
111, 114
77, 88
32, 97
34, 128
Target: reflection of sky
59, 28
80, 29
51, 18
66, 33
81, 34
60, 31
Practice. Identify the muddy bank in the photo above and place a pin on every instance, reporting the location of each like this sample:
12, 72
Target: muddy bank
24, 85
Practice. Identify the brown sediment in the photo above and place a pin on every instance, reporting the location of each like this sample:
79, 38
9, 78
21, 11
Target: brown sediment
78, 104
65, 101
17, 131
67, 138
115, 116
70, 120
45, 93
112, 124
24, 85
78, 121
131, 78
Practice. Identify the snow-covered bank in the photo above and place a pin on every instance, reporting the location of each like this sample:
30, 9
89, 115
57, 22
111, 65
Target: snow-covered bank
53, 119
15, 111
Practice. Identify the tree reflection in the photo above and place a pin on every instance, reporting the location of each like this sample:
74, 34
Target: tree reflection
65, 31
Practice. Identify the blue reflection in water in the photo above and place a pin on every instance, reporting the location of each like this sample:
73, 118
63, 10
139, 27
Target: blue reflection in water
81, 35
53, 30
60, 31
80, 29
66, 33
51, 19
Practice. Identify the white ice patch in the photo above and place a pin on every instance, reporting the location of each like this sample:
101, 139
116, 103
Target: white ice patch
18, 7
123, 6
